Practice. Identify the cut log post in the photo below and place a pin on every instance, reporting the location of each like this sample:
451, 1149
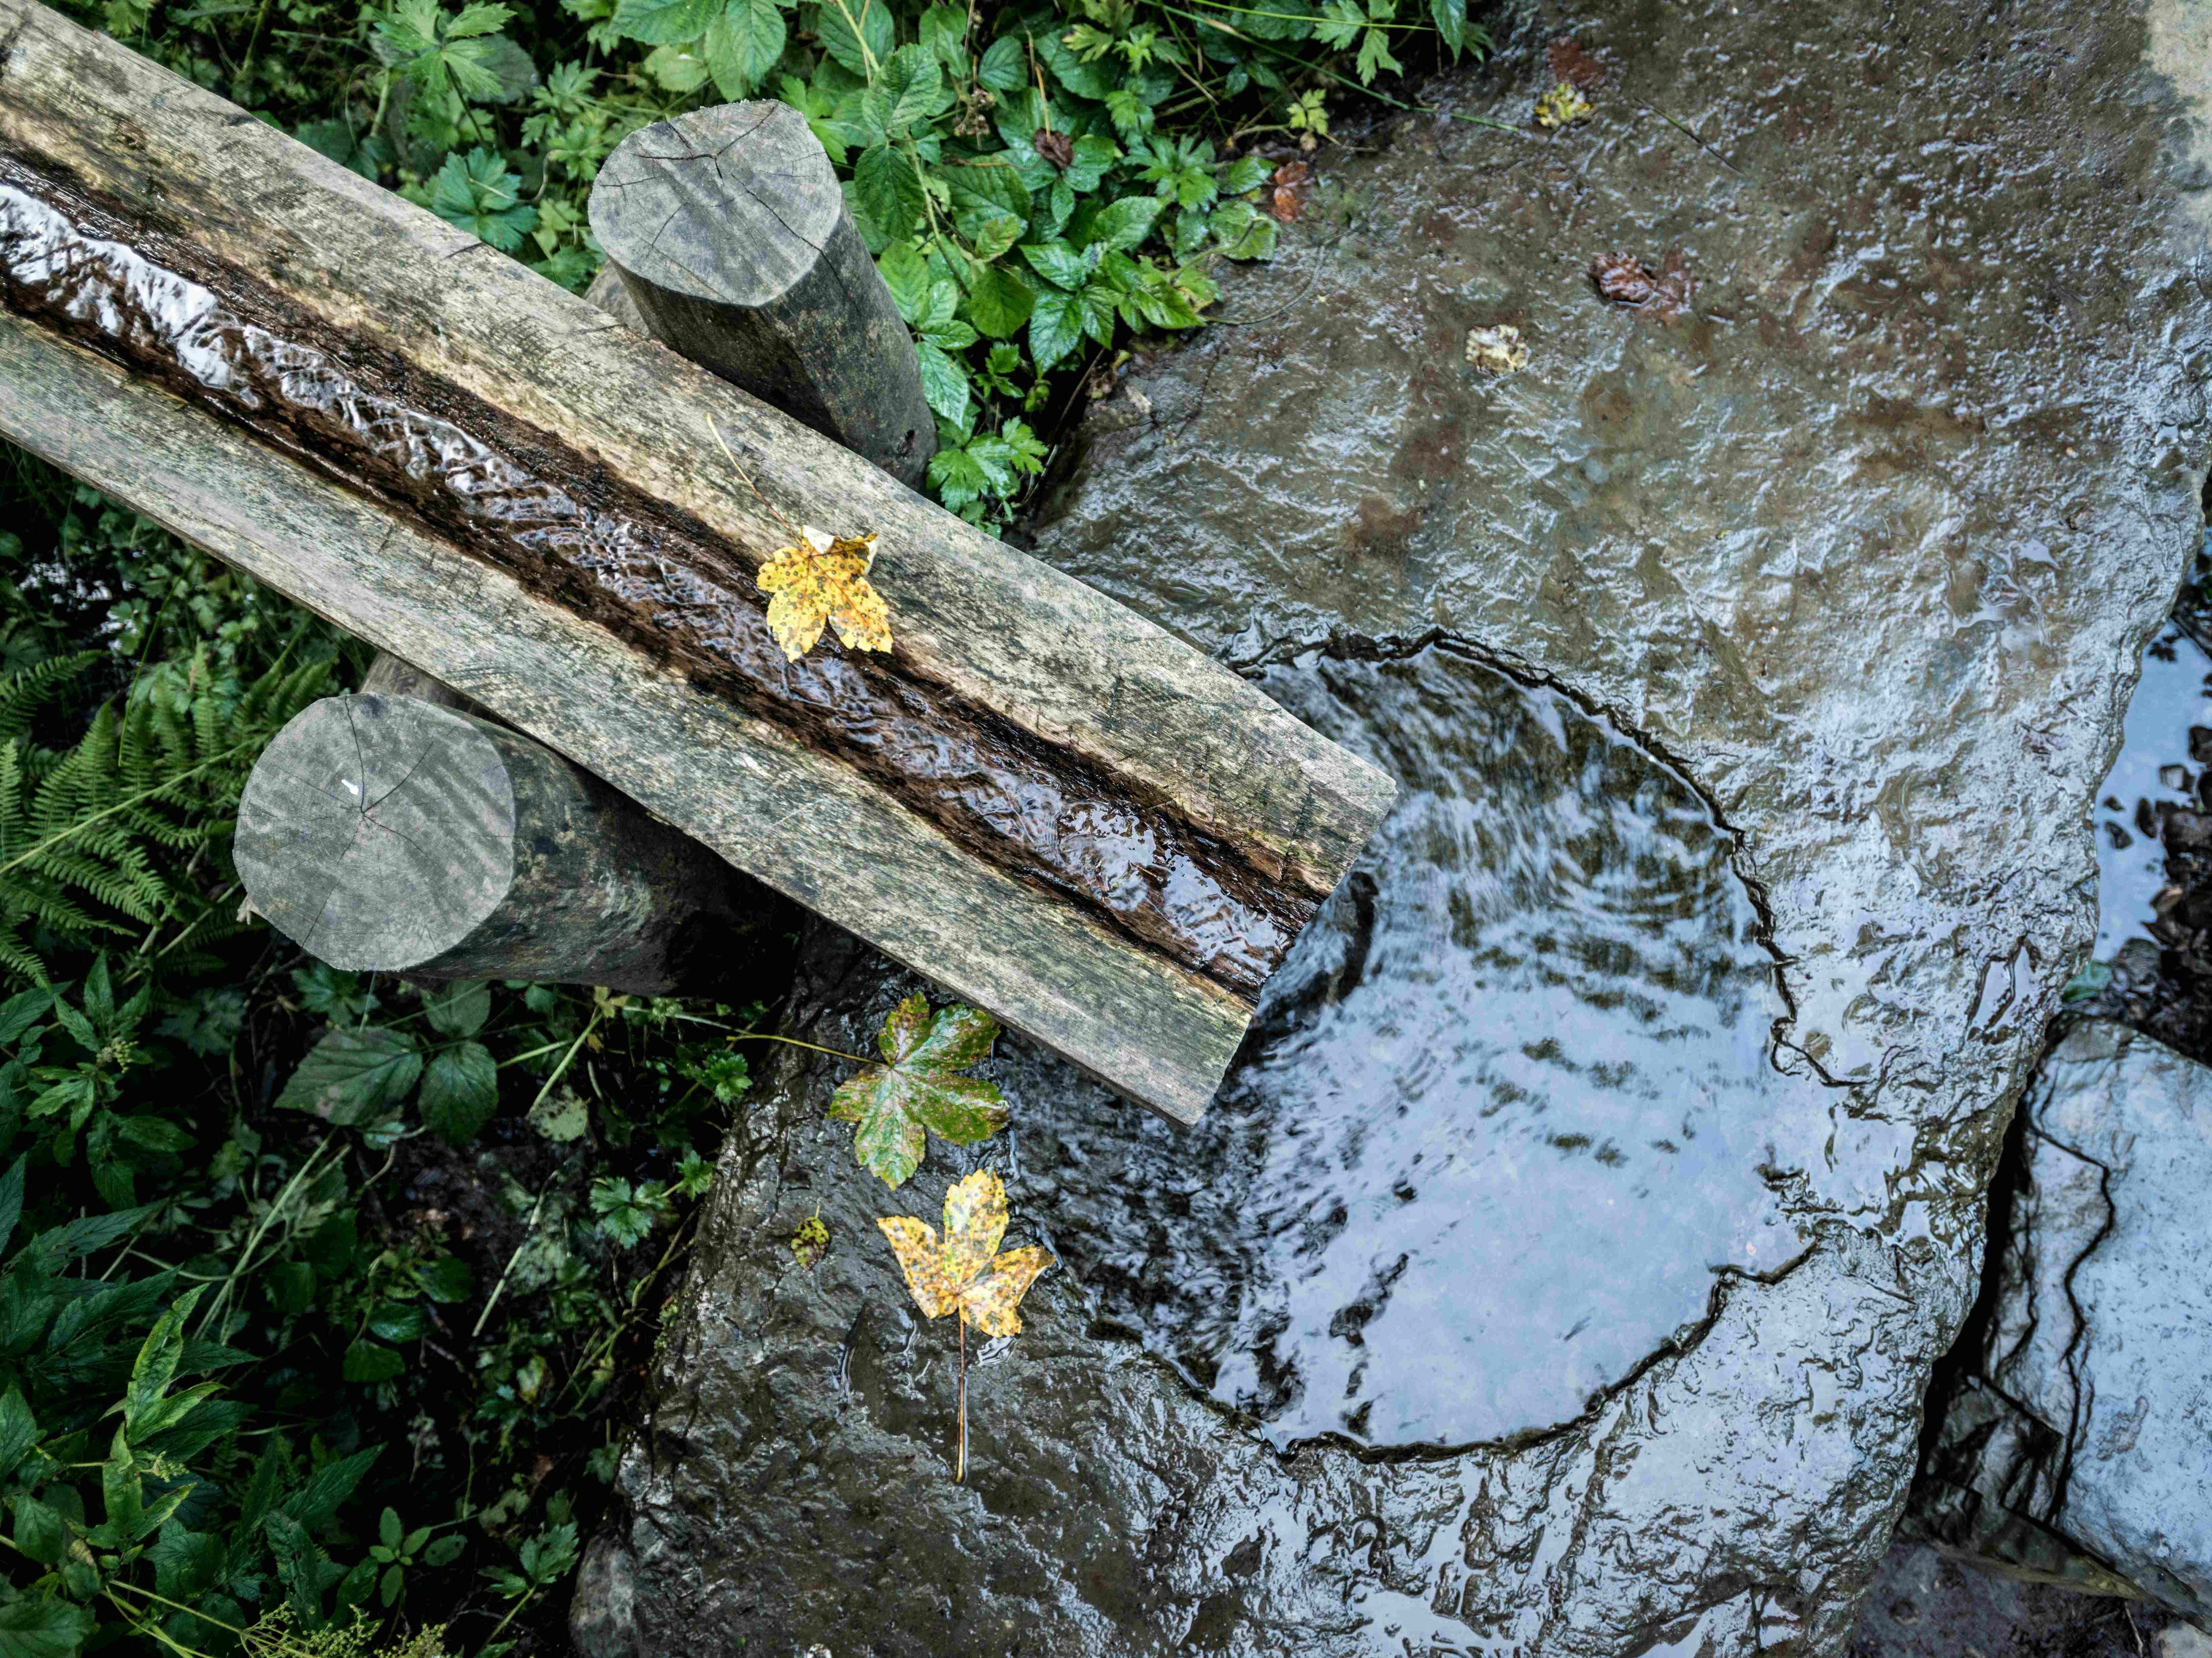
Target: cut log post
1047, 804
390, 832
731, 237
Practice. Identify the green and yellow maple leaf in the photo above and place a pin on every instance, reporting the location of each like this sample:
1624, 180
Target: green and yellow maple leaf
961, 1271
918, 1087
823, 581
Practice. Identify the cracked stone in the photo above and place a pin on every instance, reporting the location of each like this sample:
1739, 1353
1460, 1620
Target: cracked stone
2075, 1446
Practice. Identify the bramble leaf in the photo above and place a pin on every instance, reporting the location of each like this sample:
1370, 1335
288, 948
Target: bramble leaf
918, 1088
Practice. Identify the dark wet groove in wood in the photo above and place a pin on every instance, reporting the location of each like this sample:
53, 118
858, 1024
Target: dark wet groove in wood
697, 613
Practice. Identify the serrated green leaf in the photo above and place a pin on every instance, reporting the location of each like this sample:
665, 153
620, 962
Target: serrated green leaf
353, 1076
918, 1086
991, 184
912, 84
1121, 225
458, 1008
460, 1091
1002, 67
989, 230
1451, 19
38, 1626
1058, 264
889, 189
944, 383
1055, 327
665, 23
858, 33
39, 1531
447, 1279
366, 1361
906, 273
743, 43
999, 303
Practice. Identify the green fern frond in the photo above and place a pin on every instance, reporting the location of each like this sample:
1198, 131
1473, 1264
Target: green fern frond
26, 690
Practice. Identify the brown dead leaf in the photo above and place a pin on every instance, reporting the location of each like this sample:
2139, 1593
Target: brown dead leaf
1625, 280
1055, 147
1287, 197
824, 580
1571, 65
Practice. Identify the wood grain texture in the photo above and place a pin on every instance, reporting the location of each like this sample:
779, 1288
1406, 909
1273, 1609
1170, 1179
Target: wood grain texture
383, 832
400, 302
730, 232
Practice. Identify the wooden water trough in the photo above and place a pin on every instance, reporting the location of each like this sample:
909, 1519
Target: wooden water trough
1037, 798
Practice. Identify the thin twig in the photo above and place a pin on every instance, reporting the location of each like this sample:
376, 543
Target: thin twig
748, 477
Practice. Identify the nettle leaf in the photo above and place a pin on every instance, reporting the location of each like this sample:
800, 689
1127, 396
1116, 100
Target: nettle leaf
366, 1361
857, 33
679, 68
665, 23
1093, 155
743, 44
354, 1075
460, 1091
889, 188
999, 303
918, 1087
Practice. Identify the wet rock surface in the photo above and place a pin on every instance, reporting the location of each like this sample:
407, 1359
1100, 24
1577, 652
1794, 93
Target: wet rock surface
2075, 1445
1924, 1604
1773, 645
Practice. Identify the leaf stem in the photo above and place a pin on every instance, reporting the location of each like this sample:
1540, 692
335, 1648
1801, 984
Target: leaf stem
794, 1041
960, 1457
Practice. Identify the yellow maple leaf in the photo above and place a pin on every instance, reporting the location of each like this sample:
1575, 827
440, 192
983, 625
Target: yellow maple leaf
823, 582
1563, 105
963, 1270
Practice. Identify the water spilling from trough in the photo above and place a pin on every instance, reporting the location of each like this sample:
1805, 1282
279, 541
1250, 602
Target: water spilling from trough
1506, 1108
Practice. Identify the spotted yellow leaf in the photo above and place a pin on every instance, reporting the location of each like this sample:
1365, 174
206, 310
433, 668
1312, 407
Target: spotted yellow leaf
823, 581
1563, 105
962, 1269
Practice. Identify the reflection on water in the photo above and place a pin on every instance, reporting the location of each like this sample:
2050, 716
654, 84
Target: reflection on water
1504, 1110
2156, 766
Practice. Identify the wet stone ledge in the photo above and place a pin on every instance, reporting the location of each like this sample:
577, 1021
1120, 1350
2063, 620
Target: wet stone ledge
1821, 595
2072, 1446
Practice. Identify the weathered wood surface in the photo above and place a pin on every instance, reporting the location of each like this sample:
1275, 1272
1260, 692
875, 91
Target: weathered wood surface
388, 832
1041, 800
730, 235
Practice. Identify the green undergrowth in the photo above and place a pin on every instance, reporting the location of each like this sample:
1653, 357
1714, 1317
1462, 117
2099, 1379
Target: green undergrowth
326, 1301
1043, 184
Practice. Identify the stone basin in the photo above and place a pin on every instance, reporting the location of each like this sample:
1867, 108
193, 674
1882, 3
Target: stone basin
1837, 570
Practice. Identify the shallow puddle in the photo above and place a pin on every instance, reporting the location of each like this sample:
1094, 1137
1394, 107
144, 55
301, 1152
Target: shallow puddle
1504, 1111
2153, 766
